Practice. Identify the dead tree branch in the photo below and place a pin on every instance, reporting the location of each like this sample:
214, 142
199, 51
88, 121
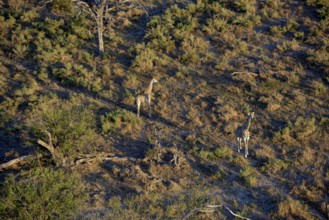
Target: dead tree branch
249, 73
66, 162
44, 3
58, 159
18, 161
212, 208
176, 160
93, 158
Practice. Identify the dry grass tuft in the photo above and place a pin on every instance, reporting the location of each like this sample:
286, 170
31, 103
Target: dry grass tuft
265, 152
292, 209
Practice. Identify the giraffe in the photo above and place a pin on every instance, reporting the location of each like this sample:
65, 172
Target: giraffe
145, 96
243, 133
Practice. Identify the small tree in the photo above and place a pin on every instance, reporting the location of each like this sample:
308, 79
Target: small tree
101, 10
98, 10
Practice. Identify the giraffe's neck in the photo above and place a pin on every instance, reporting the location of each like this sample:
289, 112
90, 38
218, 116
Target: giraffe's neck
149, 88
248, 124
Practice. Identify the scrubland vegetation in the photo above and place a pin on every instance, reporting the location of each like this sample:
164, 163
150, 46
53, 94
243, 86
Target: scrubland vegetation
72, 110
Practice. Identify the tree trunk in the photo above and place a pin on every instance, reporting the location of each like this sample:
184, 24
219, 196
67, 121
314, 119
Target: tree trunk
100, 28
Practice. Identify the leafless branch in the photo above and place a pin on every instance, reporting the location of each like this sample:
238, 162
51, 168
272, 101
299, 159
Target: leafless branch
212, 208
142, 5
236, 215
83, 6
17, 161
43, 3
93, 158
249, 73
58, 159
176, 160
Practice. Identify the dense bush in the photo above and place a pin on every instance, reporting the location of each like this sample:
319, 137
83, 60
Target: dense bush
41, 193
119, 119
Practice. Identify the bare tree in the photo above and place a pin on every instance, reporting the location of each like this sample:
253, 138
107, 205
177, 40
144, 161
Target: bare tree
103, 10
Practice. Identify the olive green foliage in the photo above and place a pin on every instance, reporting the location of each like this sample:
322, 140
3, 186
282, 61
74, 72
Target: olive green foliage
249, 175
224, 152
71, 125
53, 43
175, 30
324, 126
41, 193
274, 166
62, 5
293, 208
118, 119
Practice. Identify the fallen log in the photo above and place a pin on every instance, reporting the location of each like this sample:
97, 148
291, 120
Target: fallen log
212, 208
93, 158
18, 161
248, 73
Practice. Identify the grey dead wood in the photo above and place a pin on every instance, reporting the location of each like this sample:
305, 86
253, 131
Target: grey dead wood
18, 161
210, 209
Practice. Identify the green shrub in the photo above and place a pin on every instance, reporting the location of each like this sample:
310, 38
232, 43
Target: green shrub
118, 119
248, 6
293, 209
145, 58
319, 88
6, 24
274, 166
193, 47
184, 28
16, 6
292, 25
206, 155
62, 5
319, 59
3, 84
277, 30
249, 175
324, 126
41, 193
20, 50
271, 85
246, 20
30, 16
54, 27
73, 74
96, 85
224, 152
79, 28
215, 25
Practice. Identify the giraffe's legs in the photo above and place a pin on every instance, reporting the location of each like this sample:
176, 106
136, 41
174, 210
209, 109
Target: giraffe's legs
138, 103
149, 104
246, 140
239, 142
